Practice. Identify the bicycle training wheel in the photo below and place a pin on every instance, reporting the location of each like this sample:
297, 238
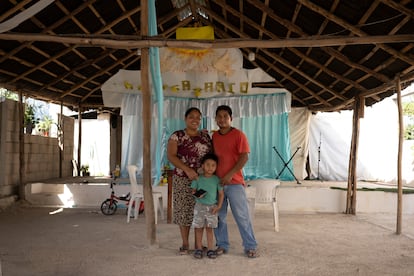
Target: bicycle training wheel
107, 208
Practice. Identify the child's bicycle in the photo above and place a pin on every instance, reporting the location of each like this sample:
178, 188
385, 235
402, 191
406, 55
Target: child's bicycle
110, 205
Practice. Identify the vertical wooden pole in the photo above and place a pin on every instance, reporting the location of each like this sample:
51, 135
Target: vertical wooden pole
400, 151
60, 138
79, 139
22, 164
146, 120
353, 157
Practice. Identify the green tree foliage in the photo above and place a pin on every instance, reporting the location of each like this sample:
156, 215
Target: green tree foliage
408, 110
8, 94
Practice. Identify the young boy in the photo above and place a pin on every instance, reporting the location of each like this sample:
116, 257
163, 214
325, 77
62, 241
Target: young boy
207, 205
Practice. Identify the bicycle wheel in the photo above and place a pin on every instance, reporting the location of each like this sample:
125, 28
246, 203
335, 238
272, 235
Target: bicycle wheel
108, 208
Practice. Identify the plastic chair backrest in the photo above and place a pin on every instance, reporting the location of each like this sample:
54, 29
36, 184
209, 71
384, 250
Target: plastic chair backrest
265, 190
132, 172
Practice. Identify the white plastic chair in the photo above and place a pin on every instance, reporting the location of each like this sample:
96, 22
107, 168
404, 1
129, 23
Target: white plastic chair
136, 195
157, 196
267, 191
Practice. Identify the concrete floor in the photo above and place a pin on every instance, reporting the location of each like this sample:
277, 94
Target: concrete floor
81, 241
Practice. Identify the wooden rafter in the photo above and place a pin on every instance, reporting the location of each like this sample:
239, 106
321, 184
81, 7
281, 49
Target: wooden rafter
311, 73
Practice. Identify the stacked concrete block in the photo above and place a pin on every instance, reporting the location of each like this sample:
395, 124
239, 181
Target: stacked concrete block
9, 137
41, 154
41, 158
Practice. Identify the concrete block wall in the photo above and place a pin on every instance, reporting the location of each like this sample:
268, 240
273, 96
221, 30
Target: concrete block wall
41, 154
41, 158
8, 141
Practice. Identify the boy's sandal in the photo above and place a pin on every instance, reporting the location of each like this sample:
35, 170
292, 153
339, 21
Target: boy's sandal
198, 254
211, 254
251, 253
183, 250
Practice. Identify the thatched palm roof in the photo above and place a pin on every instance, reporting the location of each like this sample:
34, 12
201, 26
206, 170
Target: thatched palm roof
325, 52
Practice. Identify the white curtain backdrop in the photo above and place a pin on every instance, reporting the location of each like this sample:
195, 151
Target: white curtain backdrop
262, 107
377, 150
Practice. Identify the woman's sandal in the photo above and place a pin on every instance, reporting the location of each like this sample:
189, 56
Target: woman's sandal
183, 250
251, 253
211, 254
198, 254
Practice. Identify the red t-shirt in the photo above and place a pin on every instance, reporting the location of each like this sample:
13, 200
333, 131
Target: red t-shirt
228, 148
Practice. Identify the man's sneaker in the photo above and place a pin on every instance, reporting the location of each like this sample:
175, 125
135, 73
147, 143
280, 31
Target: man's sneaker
221, 251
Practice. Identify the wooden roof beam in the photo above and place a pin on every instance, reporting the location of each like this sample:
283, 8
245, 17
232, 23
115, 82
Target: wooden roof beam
270, 65
75, 69
330, 51
122, 6
278, 57
354, 30
45, 30
288, 77
90, 94
369, 93
349, 82
120, 42
103, 71
399, 7
324, 67
16, 9
193, 8
107, 27
273, 67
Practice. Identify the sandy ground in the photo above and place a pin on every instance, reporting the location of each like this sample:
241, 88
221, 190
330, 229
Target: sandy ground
84, 242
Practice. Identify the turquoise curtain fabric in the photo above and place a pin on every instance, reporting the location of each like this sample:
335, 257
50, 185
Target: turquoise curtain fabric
264, 133
264, 119
157, 88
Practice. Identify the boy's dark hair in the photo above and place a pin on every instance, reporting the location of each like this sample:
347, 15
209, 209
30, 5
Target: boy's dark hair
224, 108
210, 156
191, 109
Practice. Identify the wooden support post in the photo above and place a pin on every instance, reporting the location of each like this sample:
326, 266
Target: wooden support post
353, 154
146, 120
22, 163
400, 151
60, 139
79, 139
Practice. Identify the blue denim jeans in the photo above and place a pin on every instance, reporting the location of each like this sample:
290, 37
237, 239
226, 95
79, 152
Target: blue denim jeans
235, 195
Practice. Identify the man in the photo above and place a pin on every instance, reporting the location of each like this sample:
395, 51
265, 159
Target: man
232, 148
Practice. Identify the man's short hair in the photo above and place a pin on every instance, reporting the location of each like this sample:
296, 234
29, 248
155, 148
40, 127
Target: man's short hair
224, 108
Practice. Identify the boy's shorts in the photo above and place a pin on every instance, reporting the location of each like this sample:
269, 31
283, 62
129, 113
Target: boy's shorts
203, 216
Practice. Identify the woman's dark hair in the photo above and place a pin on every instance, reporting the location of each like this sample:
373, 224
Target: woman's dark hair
191, 109
208, 156
224, 108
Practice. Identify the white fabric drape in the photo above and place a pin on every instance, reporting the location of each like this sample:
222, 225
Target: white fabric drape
248, 106
174, 109
24, 15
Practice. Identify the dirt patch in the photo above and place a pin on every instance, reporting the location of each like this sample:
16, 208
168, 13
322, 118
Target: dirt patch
34, 241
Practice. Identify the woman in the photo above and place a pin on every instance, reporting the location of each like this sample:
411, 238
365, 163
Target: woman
185, 150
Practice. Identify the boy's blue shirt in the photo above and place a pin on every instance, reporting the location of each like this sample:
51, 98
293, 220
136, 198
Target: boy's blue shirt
211, 185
